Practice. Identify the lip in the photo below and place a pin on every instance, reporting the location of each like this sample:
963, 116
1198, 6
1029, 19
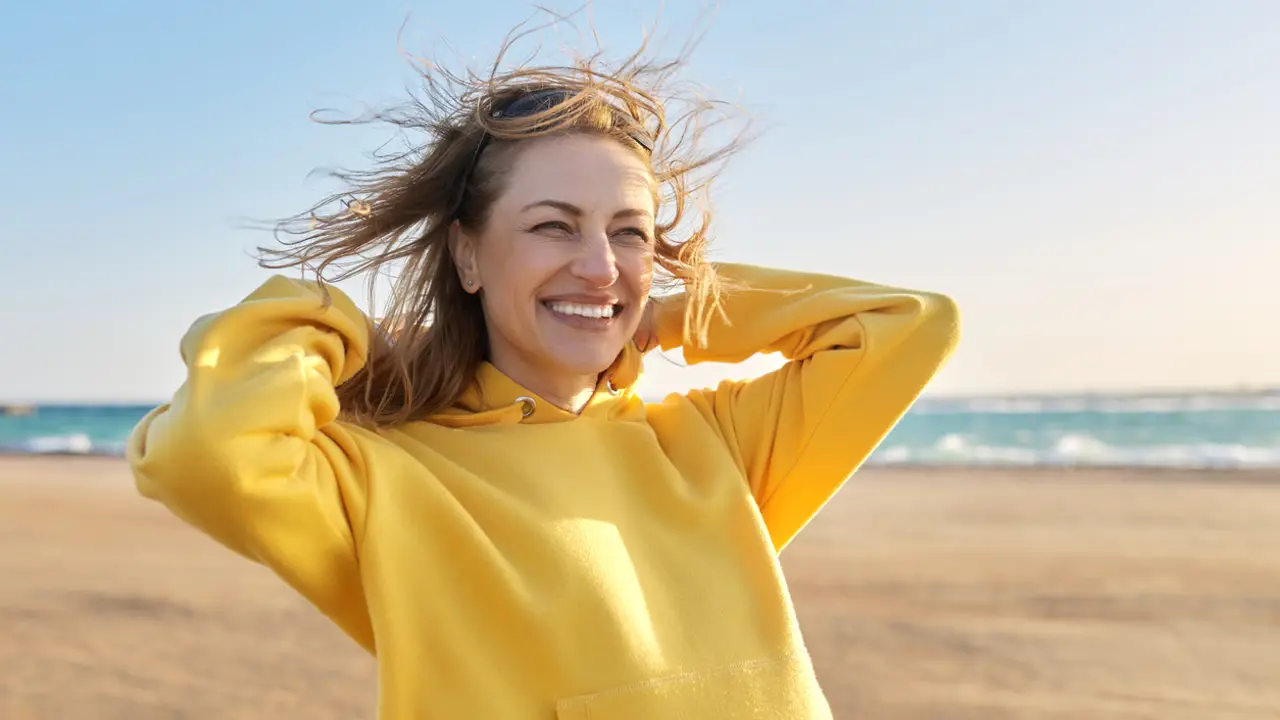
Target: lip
582, 299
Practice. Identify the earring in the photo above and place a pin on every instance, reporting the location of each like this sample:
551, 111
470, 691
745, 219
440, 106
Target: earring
470, 283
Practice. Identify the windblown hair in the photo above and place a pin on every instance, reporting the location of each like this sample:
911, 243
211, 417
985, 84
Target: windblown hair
395, 217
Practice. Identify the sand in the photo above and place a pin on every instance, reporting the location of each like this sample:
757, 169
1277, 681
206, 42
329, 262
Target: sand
924, 594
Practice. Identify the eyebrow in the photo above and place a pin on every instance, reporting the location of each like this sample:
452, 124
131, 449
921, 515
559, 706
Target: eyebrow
576, 211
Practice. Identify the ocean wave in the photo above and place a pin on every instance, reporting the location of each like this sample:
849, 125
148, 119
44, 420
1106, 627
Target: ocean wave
1206, 430
69, 444
1110, 404
1080, 450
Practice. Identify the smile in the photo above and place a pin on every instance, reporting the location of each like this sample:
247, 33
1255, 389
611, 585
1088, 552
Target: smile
584, 310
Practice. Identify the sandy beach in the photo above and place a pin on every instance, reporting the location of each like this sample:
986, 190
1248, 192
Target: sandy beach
924, 594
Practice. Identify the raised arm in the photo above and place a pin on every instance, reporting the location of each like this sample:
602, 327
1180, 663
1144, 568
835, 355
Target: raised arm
858, 356
248, 450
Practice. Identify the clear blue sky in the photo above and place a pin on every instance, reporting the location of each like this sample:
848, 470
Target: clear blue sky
1096, 182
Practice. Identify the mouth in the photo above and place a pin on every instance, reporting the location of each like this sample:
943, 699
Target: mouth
584, 313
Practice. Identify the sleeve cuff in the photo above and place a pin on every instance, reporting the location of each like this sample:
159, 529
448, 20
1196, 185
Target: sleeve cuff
668, 321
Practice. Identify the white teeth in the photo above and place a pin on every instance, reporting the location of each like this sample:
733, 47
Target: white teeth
581, 310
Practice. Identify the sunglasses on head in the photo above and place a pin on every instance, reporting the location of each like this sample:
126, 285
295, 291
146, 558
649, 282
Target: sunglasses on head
528, 105
540, 101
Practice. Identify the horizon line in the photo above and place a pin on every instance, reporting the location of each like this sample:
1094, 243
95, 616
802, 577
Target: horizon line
1240, 389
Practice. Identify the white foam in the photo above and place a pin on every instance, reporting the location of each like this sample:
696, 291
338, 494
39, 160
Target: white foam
1154, 403
74, 443
1081, 450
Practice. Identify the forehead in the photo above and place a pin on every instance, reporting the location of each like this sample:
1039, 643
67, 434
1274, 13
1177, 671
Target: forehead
595, 173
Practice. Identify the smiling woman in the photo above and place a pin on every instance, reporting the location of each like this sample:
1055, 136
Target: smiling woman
563, 263
530, 160
473, 490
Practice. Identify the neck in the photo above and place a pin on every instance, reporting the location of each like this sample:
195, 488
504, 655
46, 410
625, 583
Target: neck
572, 398
567, 392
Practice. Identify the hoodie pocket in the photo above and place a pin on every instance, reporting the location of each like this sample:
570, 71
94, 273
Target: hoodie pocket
779, 688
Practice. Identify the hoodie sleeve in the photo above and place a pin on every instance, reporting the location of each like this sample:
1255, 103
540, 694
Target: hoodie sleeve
858, 356
248, 450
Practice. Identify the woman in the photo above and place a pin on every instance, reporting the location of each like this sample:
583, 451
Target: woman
473, 490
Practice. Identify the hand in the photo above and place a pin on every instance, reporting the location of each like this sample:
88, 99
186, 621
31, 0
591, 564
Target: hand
646, 337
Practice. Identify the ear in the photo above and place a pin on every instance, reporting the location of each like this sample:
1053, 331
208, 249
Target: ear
462, 248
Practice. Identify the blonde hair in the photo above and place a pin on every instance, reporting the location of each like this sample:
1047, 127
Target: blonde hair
432, 336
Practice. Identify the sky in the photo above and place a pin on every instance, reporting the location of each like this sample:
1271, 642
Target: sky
1097, 184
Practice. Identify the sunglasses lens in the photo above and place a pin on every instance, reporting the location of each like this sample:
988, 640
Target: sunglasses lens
532, 104
544, 100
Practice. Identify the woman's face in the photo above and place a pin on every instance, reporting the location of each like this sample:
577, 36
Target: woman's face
564, 262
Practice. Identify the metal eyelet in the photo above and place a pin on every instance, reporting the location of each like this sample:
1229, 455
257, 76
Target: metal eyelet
527, 405
608, 383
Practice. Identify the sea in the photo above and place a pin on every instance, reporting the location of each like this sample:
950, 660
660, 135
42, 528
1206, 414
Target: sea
1170, 430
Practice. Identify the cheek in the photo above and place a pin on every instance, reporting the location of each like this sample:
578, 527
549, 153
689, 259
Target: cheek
513, 271
636, 268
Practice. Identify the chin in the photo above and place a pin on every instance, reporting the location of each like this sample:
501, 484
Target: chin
584, 353
588, 362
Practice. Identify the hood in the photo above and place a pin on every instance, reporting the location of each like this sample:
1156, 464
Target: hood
495, 399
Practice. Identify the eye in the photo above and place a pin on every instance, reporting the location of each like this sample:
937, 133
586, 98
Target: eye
553, 227
636, 233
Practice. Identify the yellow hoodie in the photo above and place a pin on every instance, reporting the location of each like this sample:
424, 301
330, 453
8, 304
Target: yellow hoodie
507, 559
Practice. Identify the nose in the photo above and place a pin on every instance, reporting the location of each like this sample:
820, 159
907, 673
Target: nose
595, 262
